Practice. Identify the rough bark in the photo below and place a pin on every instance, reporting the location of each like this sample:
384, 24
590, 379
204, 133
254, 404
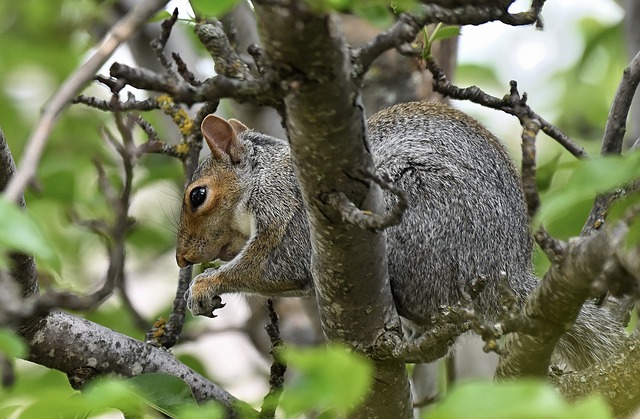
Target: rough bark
556, 302
614, 380
326, 129
67, 343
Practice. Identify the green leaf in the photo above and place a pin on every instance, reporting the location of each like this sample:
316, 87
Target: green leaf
163, 392
587, 179
212, 8
111, 393
11, 345
399, 6
152, 239
7, 411
376, 14
161, 15
209, 410
363, 7
19, 232
324, 6
329, 377
592, 408
633, 236
100, 396
518, 399
545, 172
60, 184
340, 4
445, 32
470, 73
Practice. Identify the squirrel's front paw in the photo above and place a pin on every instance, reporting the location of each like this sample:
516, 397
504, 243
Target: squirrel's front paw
201, 301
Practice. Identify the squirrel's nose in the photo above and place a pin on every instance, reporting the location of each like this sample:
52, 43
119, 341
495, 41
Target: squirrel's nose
182, 261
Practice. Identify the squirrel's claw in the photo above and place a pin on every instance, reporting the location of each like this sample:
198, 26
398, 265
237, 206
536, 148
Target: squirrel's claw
198, 301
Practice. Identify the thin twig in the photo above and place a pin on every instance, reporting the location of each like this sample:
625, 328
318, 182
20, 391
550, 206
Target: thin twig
613, 139
405, 30
115, 233
184, 72
367, 219
166, 334
107, 106
278, 367
617, 119
159, 43
442, 85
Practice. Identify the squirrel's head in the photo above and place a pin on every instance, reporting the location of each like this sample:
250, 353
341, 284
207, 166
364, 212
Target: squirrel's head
212, 225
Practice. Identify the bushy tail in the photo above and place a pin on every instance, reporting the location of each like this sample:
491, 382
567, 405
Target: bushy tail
596, 335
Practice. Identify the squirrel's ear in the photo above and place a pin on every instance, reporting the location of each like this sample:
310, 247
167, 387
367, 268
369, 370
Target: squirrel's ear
237, 126
221, 137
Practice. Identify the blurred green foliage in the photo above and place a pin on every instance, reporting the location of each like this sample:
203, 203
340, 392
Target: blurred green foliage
576, 189
589, 86
42, 43
522, 399
19, 232
11, 346
330, 380
44, 40
381, 13
212, 8
149, 396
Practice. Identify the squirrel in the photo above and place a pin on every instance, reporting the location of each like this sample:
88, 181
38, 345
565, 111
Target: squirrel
466, 219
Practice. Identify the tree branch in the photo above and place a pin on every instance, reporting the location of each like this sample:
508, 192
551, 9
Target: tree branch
115, 233
510, 104
227, 61
617, 119
366, 219
66, 342
109, 106
326, 131
613, 139
159, 43
405, 30
615, 380
559, 297
213, 89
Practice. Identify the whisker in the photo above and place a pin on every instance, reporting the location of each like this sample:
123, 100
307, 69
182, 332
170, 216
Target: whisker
173, 229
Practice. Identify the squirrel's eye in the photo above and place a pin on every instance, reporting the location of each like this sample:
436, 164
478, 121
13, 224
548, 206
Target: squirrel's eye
197, 196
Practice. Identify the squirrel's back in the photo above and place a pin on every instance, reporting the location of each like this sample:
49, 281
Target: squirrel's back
466, 217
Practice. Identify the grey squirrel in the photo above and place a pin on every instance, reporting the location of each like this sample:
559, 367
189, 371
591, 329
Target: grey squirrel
466, 218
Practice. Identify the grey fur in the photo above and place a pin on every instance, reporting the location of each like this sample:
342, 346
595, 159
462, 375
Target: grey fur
466, 218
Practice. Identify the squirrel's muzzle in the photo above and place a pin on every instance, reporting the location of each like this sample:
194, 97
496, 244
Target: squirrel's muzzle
182, 261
